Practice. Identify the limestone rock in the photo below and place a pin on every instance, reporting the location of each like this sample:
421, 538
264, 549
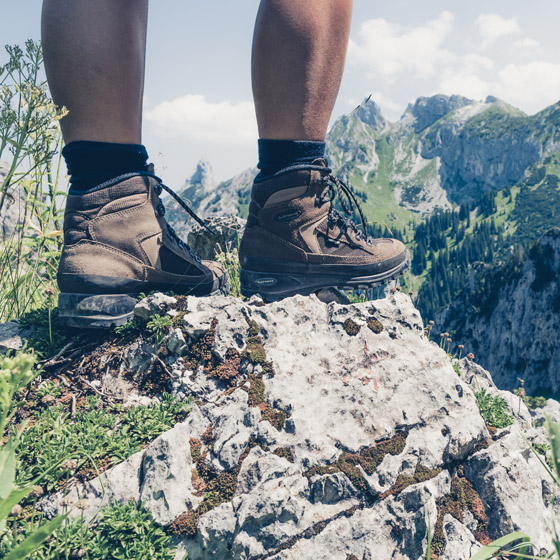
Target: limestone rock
516, 332
156, 304
229, 230
327, 437
10, 338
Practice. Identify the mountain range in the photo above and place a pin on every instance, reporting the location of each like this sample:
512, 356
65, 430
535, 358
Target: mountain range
469, 186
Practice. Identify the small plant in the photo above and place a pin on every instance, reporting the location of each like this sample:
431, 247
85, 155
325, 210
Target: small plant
120, 532
15, 374
106, 436
456, 367
158, 326
130, 327
43, 332
230, 261
49, 389
493, 409
30, 141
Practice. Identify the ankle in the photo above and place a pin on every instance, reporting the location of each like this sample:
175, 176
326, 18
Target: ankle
95, 163
278, 155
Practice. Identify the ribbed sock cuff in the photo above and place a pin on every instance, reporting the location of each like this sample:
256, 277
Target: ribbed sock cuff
93, 163
275, 155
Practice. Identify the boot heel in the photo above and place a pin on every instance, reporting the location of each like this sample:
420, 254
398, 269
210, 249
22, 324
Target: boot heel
95, 311
273, 286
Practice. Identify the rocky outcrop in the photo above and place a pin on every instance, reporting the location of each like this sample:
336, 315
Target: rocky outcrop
210, 199
322, 431
428, 110
13, 208
509, 316
228, 231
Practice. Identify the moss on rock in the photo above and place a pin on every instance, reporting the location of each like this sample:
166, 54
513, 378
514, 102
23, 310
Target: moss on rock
352, 328
375, 326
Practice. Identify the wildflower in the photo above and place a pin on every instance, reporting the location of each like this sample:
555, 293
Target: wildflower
16, 511
69, 464
37, 491
49, 291
461, 346
470, 356
66, 501
82, 504
430, 322
449, 339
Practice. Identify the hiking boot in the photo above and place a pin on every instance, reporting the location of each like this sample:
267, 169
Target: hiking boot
116, 245
296, 242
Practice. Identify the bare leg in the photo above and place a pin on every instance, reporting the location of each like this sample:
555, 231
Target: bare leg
94, 58
299, 49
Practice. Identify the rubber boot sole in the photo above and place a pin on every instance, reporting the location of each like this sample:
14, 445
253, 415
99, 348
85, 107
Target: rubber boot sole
274, 286
106, 310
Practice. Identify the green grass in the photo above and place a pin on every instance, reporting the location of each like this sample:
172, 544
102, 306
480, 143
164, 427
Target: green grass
493, 409
121, 532
100, 435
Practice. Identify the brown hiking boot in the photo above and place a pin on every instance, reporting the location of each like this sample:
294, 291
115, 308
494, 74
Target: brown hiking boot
116, 245
295, 241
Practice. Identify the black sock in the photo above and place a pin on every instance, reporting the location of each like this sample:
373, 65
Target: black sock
275, 155
93, 163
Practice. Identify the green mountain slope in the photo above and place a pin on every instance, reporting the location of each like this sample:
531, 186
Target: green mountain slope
460, 181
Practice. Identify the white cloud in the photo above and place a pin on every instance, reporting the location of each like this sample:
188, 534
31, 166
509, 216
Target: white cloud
389, 108
527, 43
192, 116
530, 86
464, 78
391, 50
492, 27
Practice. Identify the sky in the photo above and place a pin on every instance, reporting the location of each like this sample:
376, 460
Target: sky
198, 100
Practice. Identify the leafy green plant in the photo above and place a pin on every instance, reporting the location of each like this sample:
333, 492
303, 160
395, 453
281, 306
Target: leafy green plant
30, 141
15, 374
102, 436
158, 326
42, 331
128, 328
229, 259
493, 409
49, 388
119, 532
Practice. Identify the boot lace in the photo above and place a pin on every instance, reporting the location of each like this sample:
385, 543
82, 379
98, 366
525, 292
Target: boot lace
336, 188
159, 188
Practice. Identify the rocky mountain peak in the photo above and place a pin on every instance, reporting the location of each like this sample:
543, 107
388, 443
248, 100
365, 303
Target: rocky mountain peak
203, 175
369, 113
428, 110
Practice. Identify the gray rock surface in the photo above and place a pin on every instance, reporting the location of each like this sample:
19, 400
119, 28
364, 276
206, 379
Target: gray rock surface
331, 440
10, 338
516, 332
229, 230
12, 211
156, 304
